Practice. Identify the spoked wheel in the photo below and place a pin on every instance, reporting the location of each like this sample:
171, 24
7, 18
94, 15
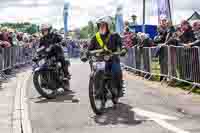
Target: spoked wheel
97, 98
41, 81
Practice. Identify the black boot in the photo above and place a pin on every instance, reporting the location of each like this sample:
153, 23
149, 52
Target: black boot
67, 74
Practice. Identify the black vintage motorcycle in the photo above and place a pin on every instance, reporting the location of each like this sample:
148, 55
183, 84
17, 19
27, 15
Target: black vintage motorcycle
101, 84
48, 73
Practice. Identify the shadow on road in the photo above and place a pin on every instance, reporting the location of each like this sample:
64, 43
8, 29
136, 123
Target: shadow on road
120, 115
68, 96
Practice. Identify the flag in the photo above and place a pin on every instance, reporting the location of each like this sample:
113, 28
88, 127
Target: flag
119, 25
164, 11
65, 15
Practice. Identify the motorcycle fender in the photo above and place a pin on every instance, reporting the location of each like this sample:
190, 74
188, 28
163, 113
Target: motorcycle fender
39, 69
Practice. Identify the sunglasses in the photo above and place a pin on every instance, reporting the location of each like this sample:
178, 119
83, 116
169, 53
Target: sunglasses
43, 30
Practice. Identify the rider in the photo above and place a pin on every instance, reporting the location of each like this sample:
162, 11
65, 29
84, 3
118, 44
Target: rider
51, 38
105, 39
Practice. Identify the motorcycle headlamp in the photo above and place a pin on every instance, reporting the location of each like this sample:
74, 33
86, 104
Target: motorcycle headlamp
94, 59
106, 58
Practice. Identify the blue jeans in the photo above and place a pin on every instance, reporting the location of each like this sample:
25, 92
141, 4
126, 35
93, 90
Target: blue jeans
115, 68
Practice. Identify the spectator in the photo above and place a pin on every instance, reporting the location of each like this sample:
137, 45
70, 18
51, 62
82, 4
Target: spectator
144, 40
4, 37
10, 37
162, 32
194, 58
129, 38
187, 35
170, 31
196, 29
20, 36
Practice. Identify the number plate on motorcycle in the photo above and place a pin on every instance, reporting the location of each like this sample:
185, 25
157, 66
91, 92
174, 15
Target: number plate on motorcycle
100, 65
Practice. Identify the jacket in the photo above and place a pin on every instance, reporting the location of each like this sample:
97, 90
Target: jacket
50, 39
187, 36
113, 44
197, 36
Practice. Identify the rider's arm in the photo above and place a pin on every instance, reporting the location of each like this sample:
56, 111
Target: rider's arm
92, 44
118, 42
57, 38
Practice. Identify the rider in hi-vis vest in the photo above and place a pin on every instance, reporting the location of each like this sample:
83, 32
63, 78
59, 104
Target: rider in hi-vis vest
110, 42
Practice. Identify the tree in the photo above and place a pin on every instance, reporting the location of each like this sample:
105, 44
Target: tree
84, 33
22, 27
90, 29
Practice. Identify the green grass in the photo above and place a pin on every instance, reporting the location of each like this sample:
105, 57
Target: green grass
182, 85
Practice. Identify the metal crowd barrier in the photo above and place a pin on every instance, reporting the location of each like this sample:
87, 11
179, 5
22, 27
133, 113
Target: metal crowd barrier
13, 57
169, 62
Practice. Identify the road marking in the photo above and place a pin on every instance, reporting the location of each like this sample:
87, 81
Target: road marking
17, 110
26, 124
153, 115
160, 119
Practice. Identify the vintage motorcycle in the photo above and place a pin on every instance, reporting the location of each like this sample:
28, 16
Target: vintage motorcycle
48, 73
101, 86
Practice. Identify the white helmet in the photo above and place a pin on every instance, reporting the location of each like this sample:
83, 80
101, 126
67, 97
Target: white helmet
107, 20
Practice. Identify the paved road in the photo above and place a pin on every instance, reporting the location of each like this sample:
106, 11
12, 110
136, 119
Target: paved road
145, 108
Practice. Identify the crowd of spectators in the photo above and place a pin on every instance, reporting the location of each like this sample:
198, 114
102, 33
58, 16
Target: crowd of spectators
10, 38
184, 62
184, 34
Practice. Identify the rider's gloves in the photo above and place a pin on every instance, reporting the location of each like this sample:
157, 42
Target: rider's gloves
84, 56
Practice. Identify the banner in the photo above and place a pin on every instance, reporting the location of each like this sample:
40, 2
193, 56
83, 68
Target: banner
65, 15
119, 26
164, 11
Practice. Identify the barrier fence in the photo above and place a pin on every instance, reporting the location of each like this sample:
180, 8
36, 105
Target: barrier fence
13, 57
169, 62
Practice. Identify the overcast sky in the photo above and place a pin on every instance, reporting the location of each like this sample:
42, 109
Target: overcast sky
81, 11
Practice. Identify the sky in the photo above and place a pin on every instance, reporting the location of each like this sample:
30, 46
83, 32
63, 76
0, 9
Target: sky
81, 11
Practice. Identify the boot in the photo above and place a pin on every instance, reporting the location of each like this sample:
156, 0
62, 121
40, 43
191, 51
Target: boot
67, 74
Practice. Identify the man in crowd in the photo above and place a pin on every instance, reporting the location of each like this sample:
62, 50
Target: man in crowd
129, 40
4, 38
162, 31
196, 29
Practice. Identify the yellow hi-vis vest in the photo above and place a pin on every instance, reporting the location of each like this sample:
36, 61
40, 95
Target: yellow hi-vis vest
101, 43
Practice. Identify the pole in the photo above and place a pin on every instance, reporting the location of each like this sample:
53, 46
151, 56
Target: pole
65, 15
170, 14
143, 27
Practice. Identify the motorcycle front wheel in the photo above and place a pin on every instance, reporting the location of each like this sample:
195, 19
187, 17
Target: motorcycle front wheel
40, 80
97, 102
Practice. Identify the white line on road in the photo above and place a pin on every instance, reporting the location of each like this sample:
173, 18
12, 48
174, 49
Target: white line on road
26, 124
17, 111
153, 115
160, 119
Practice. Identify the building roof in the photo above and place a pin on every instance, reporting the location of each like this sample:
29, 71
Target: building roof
195, 16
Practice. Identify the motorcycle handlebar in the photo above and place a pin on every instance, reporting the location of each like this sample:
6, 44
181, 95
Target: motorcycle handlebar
99, 51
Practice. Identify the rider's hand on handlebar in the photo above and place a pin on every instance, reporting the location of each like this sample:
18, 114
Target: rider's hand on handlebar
123, 52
